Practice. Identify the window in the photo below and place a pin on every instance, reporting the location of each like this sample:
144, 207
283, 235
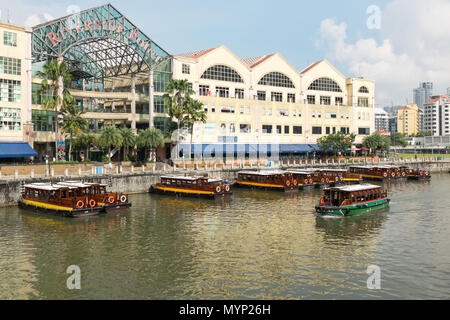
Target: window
311, 99
10, 39
222, 73
245, 128
242, 110
279, 128
345, 130
10, 66
186, 69
316, 130
363, 102
223, 128
261, 95
325, 101
327, 130
287, 129
204, 91
297, 130
10, 119
267, 129
232, 128
213, 109
10, 90
44, 121
223, 92
330, 115
239, 93
363, 89
291, 98
364, 131
325, 84
339, 101
276, 79
159, 105
277, 97
226, 109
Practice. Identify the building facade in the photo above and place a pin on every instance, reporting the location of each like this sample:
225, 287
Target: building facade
423, 93
437, 115
408, 120
381, 120
15, 84
265, 100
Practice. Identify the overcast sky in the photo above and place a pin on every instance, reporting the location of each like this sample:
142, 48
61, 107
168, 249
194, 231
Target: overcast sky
410, 43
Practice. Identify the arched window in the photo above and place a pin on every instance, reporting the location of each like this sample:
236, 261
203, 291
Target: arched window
222, 73
276, 79
325, 84
363, 89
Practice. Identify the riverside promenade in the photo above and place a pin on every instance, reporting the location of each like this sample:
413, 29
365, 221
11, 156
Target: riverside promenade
138, 179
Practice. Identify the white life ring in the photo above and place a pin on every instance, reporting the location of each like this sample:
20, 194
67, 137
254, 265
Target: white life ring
123, 199
218, 189
227, 188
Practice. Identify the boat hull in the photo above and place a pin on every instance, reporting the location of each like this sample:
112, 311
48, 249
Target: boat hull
59, 211
116, 207
250, 185
188, 193
352, 210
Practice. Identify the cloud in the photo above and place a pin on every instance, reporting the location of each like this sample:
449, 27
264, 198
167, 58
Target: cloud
415, 47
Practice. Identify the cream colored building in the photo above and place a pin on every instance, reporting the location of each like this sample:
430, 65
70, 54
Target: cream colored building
266, 100
408, 120
15, 84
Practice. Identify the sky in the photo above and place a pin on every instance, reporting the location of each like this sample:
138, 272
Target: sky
397, 43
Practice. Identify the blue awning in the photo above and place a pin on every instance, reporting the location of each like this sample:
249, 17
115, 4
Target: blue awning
16, 150
249, 148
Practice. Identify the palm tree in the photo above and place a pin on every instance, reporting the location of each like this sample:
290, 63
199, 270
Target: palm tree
73, 122
150, 139
179, 91
129, 139
194, 113
86, 141
56, 79
110, 137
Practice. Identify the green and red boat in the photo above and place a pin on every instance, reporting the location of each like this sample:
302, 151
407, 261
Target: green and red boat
352, 200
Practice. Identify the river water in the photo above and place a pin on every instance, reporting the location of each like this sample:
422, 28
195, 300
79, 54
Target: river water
257, 245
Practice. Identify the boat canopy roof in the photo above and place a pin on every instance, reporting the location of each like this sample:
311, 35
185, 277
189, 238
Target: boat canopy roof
332, 170
45, 187
265, 172
190, 178
356, 188
299, 171
78, 184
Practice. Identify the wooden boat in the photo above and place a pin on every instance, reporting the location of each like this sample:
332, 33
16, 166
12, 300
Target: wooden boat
376, 172
269, 179
71, 199
192, 187
340, 176
352, 200
415, 174
304, 178
109, 201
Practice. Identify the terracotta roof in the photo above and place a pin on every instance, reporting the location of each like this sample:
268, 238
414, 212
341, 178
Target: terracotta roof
196, 54
432, 100
311, 66
253, 62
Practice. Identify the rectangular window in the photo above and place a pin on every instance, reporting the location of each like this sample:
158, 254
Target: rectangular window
44, 121
223, 92
186, 69
327, 130
232, 128
204, 91
316, 130
279, 129
245, 128
225, 109
267, 129
339, 101
298, 130
287, 129
239, 93
311, 99
277, 97
10, 119
10, 90
345, 130
291, 98
261, 95
326, 101
10, 66
10, 39
364, 131
363, 102
159, 105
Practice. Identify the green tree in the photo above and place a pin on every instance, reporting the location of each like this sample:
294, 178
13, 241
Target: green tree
86, 141
129, 140
424, 134
194, 113
110, 137
398, 139
56, 78
150, 139
335, 143
377, 142
178, 94
73, 122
